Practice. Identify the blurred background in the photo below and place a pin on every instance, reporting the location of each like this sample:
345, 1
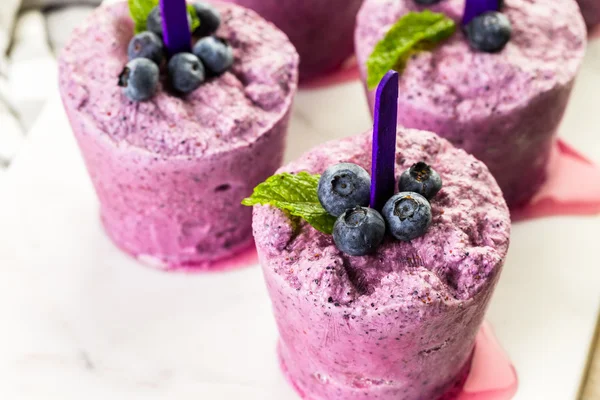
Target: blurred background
31, 34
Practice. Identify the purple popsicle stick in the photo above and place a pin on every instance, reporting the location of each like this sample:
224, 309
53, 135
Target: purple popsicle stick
474, 8
383, 156
176, 30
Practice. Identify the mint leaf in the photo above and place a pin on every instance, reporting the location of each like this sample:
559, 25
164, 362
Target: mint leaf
139, 10
412, 33
195, 21
296, 194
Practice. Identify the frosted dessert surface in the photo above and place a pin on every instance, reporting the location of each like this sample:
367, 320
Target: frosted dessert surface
464, 247
171, 172
226, 112
504, 108
545, 50
320, 30
401, 323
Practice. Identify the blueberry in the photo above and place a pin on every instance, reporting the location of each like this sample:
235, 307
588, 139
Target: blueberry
359, 231
209, 17
420, 178
146, 45
186, 72
154, 21
216, 55
427, 2
139, 79
408, 215
343, 186
489, 32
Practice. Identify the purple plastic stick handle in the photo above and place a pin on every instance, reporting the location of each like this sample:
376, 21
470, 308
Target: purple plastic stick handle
473, 8
383, 178
176, 30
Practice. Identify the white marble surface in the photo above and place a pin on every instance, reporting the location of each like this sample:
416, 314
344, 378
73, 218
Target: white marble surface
82, 320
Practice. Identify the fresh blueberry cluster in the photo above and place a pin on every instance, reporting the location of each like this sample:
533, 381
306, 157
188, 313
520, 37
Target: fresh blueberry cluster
344, 192
210, 56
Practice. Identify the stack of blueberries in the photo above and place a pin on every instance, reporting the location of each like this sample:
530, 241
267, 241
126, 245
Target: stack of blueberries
344, 192
210, 56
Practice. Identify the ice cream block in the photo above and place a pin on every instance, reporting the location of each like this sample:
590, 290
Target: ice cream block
321, 30
400, 322
170, 172
505, 106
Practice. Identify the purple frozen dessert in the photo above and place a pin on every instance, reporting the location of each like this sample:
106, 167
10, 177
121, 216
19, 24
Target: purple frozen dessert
321, 30
504, 107
170, 172
591, 12
400, 323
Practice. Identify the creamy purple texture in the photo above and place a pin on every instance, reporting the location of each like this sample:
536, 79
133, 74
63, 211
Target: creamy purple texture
320, 30
399, 324
504, 108
170, 173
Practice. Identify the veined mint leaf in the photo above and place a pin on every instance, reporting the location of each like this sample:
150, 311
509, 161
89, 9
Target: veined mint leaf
139, 10
412, 33
296, 194
195, 21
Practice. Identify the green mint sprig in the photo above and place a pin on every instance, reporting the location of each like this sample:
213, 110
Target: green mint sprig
296, 194
195, 21
412, 33
140, 9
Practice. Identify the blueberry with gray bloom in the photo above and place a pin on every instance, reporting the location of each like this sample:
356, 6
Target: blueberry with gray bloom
408, 215
146, 45
420, 178
215, 54
154, 21
209, 17
139, 79
489, 32
186, 72
359, 231
343, 186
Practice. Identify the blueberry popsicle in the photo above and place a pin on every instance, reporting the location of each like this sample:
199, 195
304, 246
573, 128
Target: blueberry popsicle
173, 146
399, 320
320, 30
503, 104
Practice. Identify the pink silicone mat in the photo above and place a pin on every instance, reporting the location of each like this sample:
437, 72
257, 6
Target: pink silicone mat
492, 376
572, 187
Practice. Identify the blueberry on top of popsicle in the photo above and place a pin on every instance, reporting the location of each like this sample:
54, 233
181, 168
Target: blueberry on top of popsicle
344, 186
422, 179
